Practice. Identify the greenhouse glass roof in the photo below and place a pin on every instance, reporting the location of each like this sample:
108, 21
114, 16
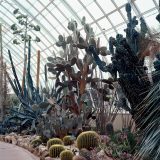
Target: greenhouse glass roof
107, 17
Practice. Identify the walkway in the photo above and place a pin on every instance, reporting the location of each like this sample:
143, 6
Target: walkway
12, 152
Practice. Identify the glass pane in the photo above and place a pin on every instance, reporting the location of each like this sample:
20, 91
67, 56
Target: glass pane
144, 5
58, 15
61, 30
31, 8
120, 29
107, 6
150, 18
45, 2
78, 7
57, 2
105, 24
65, 11
96, 29
111, 33
94, 8
88, 17
38, 6
51, 7
88, 2
120, 2
116, 18
103, 40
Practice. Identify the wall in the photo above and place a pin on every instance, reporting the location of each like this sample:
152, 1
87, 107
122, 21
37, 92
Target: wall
118, 123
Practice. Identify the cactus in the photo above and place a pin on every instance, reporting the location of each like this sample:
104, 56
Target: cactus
54, 141
88, 140
55, 150
36, 142
66, 155
67, 140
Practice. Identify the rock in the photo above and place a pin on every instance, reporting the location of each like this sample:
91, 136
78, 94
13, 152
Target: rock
24, 132
42, 149
102, 155
79, 158
8, 139
104, 139
85, 153
45, 154
2, 138
49, 158
14, 140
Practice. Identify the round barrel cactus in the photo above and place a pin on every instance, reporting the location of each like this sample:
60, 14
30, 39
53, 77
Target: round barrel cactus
54, 141
66, 155
55, 150
88, 140
67, 140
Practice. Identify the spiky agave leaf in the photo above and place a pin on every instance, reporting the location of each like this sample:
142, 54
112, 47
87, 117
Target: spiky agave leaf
151, 110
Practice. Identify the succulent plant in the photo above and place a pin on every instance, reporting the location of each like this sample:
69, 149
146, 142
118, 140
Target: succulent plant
68, 140
88, 140
66, 155
55, 150
54, 141
36, 142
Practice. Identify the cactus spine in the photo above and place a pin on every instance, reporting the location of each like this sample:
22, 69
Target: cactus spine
66, 155
54, 141
55, 150
88, 140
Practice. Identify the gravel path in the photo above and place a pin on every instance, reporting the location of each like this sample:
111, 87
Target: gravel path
12, 152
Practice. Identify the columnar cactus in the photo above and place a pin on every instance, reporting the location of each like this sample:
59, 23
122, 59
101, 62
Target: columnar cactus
66, 155
55, 150
54, 141
88, 140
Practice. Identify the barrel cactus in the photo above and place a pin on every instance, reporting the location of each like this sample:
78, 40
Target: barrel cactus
54, 141
55, 150
66, 155
67, 140
88, 140
36, 142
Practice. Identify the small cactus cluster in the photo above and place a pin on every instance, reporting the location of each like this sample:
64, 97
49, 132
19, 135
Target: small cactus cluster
55, 150
54, 141
67, 140
66, 155
88, 140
